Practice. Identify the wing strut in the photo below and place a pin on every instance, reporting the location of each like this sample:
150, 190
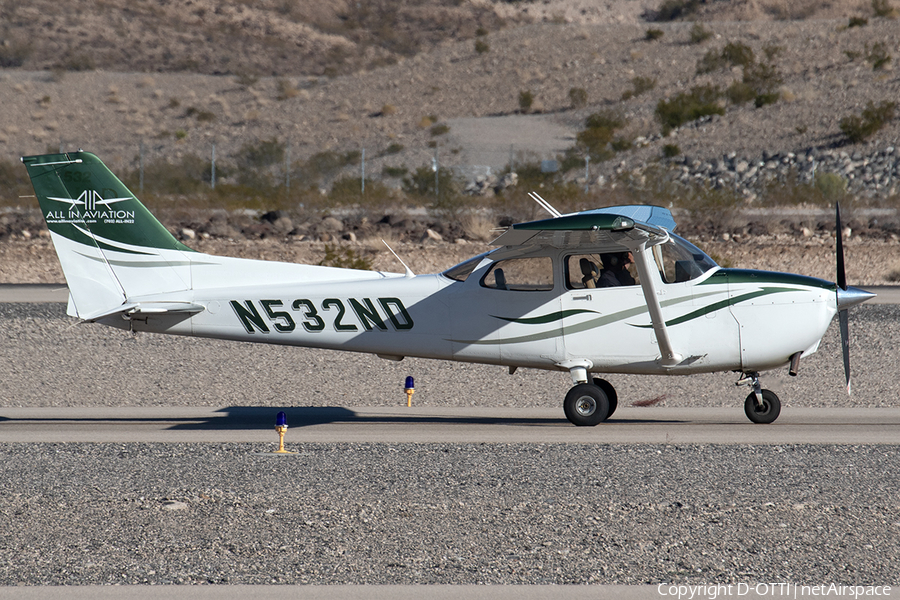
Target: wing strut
645, 264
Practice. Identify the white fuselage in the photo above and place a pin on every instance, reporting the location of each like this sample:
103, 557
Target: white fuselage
722, 320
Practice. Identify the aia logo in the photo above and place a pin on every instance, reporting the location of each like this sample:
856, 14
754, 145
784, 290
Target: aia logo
90, 200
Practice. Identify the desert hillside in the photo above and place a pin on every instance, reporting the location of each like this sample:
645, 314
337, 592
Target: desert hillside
181, 76
327, 37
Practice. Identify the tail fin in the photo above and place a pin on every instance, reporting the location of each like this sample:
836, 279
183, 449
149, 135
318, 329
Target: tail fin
109, 245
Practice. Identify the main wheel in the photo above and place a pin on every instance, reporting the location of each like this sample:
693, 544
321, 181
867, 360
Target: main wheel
611, 394
586, 405
766, 413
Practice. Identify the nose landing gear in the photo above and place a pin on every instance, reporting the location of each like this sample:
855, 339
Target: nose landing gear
761, 406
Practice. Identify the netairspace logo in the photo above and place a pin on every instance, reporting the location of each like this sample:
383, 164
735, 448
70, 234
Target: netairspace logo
771, 590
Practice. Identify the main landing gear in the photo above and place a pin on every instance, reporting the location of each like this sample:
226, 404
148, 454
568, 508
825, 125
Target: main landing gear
589, 404
761, 406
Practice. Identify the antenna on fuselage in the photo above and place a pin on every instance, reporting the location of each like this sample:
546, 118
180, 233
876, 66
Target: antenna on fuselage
544, 204
409, 272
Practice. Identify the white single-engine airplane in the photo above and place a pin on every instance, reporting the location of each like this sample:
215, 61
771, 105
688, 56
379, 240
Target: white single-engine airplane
556, 295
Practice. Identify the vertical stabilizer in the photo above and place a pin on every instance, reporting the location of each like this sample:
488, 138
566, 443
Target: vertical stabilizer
109, 245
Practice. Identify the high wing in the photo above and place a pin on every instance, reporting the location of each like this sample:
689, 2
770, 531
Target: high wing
611, 229
604, 230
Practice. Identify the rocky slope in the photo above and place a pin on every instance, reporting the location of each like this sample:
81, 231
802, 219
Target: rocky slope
388, 111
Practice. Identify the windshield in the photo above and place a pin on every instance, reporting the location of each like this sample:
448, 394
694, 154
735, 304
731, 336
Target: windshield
679, 260
462, 271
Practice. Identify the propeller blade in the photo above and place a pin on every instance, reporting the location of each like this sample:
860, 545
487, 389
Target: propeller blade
839, 236
844, 318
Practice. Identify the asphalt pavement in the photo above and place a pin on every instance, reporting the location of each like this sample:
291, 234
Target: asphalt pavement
428, 424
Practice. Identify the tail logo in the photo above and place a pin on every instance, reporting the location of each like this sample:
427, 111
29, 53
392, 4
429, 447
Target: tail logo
90, 207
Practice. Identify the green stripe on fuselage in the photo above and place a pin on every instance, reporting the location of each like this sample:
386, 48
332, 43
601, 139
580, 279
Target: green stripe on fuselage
738, 276
711, 308
548, 318
579, 327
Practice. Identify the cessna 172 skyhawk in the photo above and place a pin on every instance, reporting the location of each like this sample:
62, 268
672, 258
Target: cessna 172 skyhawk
536, 301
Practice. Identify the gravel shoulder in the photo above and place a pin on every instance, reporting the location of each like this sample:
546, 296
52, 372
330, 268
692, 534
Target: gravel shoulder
76, 514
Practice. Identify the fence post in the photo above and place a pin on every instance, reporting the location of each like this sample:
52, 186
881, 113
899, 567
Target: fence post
213, 173
362, 175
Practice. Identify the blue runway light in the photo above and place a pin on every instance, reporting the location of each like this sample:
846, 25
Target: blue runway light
281, 427
410, 388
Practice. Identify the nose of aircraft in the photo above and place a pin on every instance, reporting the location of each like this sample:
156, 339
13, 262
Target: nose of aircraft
851, 297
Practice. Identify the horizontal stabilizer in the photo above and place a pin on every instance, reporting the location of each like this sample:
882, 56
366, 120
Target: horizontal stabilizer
135, 310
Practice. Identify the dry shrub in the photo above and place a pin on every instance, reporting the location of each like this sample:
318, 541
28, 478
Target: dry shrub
478, 226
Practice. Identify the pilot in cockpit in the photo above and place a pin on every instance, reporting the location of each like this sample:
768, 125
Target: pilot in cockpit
615, 270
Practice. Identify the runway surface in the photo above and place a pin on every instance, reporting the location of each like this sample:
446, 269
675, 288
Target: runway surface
420, 425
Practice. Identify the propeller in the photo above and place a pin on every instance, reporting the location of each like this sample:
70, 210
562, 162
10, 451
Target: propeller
843, 314
846, 296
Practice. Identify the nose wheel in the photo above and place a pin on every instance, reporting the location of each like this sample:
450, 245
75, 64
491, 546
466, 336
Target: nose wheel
761, 406
766, 412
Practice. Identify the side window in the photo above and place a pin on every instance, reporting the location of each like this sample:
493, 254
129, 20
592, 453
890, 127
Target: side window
587, 271
522, 274
582, 271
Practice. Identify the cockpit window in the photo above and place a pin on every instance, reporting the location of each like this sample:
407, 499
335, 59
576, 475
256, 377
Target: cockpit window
523, 274
462, 271
611, 269
679, 260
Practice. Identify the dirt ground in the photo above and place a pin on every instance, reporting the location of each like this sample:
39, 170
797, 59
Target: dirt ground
869, 261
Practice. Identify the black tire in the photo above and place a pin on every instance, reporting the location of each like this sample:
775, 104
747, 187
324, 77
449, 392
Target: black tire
586, 405
769, 411
611, 396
